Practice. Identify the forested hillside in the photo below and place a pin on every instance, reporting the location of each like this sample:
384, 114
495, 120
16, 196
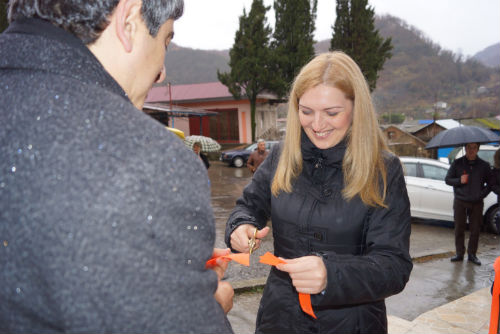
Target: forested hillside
489, 56
419, 74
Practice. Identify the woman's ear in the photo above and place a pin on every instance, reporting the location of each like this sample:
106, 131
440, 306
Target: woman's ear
127, 19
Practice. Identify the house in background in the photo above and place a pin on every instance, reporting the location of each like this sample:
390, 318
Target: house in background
403, 143
229, 121
410, 137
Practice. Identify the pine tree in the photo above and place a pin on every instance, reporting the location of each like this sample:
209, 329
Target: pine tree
249, 58
293, 40
354, 33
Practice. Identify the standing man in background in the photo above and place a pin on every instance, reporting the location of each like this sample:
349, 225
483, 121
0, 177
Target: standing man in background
97, 200
257, 156
201, 156
470, 177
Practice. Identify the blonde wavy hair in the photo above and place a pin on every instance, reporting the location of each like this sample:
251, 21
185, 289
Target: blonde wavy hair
363, 164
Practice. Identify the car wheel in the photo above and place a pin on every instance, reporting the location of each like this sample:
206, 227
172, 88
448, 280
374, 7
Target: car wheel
238, 162
491, 222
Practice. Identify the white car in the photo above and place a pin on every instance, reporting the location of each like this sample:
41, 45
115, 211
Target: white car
431, 198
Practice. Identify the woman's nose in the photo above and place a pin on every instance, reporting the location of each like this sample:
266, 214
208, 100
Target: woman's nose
317, 123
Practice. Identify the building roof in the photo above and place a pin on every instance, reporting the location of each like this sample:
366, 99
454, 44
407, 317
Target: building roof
202, 91
208, 91
448, 123
416, 125
492, 123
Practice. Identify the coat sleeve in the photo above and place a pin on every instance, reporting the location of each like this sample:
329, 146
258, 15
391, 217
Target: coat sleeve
384, 268
495, 187
452, 178
254, 206
489, 180
250, 162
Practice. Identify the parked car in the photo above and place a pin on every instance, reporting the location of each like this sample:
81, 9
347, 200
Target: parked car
431, 198
238, 158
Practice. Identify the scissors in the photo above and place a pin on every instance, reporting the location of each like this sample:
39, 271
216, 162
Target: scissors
251, 242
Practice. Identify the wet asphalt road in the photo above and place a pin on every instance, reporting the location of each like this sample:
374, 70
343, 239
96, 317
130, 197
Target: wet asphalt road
434, 280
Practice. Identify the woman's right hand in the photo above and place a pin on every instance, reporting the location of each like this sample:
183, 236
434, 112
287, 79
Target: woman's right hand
243, 233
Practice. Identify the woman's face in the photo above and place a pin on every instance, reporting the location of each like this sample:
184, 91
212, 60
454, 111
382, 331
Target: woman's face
325, 115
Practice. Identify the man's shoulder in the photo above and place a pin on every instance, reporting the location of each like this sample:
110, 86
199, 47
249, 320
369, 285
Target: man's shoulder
457, 161
484, 163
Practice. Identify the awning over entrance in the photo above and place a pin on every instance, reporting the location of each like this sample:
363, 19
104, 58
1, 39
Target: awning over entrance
175, 111
163, 111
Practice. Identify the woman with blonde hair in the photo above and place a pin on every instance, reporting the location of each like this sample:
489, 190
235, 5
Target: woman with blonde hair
339, 209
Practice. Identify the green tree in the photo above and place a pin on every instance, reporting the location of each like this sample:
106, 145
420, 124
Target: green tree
3, 15
354, 33
250, 56
293, 40
393, 118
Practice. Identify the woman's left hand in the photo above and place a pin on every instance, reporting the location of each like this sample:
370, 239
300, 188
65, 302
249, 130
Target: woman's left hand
308, 273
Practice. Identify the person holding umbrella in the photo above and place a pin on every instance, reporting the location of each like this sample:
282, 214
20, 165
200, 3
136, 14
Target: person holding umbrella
470, 177
203, 157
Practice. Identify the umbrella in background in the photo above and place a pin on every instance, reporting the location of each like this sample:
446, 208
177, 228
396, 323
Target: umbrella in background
207, 143
460, 136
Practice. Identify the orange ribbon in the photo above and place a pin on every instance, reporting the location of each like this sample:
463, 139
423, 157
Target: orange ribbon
304, 298
495, 299
241, 258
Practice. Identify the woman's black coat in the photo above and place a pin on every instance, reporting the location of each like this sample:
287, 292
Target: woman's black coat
365, 249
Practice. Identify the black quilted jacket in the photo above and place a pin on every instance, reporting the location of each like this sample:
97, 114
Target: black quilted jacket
365, 249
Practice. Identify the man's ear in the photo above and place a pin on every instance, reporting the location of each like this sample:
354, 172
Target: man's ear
127, 18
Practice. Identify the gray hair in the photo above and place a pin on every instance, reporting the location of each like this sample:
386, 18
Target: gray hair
261, 141
86, 19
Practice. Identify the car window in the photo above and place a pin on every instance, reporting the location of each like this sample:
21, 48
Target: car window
410, 169
270, 144
251, 147
434, 172
487, 155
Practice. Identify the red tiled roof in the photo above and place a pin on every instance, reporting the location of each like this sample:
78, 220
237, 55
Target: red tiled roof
202, 91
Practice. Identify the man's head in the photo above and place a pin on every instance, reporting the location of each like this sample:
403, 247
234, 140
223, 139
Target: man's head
128, 37
86, 19
471, 150
261, 145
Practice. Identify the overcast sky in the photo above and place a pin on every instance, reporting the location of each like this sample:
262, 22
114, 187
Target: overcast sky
462, 26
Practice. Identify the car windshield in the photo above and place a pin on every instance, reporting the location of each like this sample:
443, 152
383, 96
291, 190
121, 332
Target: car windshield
487, 156
251, 147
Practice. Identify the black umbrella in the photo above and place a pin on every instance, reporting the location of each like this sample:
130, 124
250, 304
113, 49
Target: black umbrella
460, 136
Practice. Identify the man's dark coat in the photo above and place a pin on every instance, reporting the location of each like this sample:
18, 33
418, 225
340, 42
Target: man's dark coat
105, 216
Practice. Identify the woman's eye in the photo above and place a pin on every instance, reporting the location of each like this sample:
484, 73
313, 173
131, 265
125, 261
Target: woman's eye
306, 112
332, 113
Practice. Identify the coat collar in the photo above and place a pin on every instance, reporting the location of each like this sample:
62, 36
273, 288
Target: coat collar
332, 156
45, 47
321, 164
